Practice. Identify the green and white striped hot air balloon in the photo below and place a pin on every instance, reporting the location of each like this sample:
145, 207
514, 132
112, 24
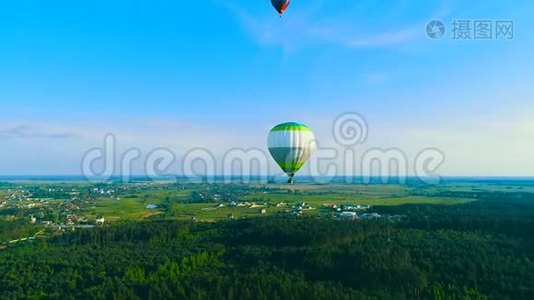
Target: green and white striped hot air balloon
291, 145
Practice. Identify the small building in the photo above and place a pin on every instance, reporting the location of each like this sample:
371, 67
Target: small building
263, 211
99, 220
231, 216
371, 216
348, 215
348, 207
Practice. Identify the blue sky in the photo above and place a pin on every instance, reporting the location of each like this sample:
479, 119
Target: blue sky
219, 73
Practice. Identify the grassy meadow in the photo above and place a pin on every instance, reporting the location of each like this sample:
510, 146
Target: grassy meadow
171, 203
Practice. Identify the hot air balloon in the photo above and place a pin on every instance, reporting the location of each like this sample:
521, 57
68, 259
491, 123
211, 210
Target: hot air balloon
291, 145
280, 5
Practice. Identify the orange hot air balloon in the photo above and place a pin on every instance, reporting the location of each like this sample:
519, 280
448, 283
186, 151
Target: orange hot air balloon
280, 5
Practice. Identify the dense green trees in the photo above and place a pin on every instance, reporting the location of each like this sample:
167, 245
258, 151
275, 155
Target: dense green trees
478, 250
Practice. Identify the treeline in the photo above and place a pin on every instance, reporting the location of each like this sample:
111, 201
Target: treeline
437, 252
511, 217
15, 229
479, 195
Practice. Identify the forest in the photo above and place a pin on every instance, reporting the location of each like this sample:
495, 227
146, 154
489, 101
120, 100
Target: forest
477, 250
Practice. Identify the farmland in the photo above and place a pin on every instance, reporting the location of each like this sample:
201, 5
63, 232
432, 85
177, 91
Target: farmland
459, 239
175, 204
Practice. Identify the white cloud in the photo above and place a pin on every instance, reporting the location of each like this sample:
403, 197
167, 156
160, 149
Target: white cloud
298, 31
491, 146
306, 27
41, 147
25, 131
488, 146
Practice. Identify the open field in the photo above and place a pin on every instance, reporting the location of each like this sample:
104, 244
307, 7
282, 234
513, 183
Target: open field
138, 201
172, 204
118, 210
452, 228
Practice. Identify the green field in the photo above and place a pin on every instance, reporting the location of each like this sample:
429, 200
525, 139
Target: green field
118, 210
133, 206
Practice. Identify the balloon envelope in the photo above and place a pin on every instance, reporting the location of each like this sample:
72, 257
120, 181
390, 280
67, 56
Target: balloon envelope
280, 5
291, 145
